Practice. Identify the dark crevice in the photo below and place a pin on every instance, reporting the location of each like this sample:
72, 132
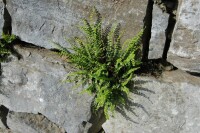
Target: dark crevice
3, 115
168, 34
171, 7
196, 74
31, 45
15, 53
147, 30
154, 67
7, 27
27, 45
97, 119
101, 131
22, 44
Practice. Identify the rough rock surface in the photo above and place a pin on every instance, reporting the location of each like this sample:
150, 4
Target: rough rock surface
5, 131
184, 51
171, 106
42, 22
1, 16
31, 123
33, 84
158, 37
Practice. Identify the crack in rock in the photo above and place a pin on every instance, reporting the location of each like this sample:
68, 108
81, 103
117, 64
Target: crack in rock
147, 30
7, 26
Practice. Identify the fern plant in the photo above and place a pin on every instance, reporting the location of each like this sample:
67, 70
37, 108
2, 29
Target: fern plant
102, 65
4, 45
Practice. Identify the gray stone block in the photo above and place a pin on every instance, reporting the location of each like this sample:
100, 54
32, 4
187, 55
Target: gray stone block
184, 51
42, 22
158, 37
1, 16
171, 105
33, 84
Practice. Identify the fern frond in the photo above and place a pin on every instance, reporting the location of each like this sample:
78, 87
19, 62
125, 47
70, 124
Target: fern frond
5, 41
104, 66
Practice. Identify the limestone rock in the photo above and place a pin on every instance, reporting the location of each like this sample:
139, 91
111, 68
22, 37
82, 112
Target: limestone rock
33, 84
42, 22
169, 105
158, 37
1, 16
6, 131
31, 123
184, 51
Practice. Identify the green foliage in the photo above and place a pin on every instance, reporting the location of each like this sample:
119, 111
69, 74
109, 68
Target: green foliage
4, 45
102, 65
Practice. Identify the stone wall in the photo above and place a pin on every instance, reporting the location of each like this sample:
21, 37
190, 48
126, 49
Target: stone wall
42, 22
35, 100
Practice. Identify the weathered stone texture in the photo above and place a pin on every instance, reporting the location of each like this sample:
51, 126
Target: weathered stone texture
184, 51
158, 37
173, 106
33, 84
6, 131
42, 22
31, 123
1, 16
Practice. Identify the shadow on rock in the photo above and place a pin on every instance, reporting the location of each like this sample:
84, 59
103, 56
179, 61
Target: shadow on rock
131, 106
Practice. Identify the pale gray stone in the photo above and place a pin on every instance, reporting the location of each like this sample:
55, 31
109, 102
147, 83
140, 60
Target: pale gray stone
6, 131
184, 51
42, 22
171, 106
158, 37
33, 84
1, 16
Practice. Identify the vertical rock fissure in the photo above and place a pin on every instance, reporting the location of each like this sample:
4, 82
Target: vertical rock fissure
147, 30
3, 115
7, 27
168, 33
171, 8
97, 120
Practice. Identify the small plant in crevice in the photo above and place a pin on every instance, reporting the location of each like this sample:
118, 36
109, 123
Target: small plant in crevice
5, 42
101, 63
